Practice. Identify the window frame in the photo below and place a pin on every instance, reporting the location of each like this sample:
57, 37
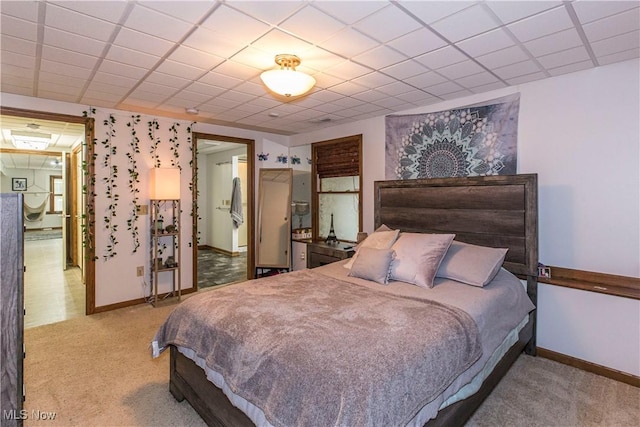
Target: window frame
53, 194
316, 149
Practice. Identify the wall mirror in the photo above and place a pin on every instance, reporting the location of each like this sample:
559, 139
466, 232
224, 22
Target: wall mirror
274, 218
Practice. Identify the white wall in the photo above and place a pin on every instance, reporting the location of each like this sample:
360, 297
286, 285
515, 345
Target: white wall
116, 279
37, 187
580, 133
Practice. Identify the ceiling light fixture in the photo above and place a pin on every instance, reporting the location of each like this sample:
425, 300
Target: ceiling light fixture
30, 140
192, 110
286, 81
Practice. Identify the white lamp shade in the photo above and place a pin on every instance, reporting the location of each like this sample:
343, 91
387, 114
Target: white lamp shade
288, 82
164, 184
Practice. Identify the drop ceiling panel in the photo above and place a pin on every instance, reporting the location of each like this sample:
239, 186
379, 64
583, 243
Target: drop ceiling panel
368, 57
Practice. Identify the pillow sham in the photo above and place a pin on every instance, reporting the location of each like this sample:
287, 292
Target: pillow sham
418, 256
471, 264
373, 264
377, 240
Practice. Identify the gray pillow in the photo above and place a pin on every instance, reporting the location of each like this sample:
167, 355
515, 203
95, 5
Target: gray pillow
373, 264
418, 256
471, 264
377, 240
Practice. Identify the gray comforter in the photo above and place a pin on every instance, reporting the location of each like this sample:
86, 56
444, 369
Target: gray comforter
312, 350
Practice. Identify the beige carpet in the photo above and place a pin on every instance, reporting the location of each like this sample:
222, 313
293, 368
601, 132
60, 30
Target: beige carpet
98, 371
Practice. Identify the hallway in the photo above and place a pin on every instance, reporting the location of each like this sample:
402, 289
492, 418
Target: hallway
50, 294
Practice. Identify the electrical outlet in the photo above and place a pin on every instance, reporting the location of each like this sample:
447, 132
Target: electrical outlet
140, 271
303, 255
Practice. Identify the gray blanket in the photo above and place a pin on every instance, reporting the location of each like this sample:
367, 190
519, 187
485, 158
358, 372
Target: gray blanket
315, 351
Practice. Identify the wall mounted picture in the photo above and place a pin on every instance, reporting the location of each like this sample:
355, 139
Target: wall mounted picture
19, 184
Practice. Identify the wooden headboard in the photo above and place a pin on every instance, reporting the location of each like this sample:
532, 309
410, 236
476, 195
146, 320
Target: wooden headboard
496, 211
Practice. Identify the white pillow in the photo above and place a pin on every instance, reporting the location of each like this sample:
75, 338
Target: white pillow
418, 256
471, 264
373, 264
377, 240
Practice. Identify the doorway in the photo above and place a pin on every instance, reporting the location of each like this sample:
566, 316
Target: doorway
59, 283
223, 196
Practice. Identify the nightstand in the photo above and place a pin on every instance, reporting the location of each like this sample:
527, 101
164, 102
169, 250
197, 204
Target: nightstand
320, 253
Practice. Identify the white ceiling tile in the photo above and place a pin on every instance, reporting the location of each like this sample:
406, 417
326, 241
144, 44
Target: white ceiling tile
349, 43
153, 96
571, 68
503, 57
195, 58
69, 57
619, 57
390, 102
526, 78
141, 42
219, 80
110, 11
403, 70
76, 23
27, 10
157, 24
443, 88
117, 69
508, 11
276, 42
488, 87
59, 88
553, 43
20, 46
312, 24
466, 23
370, 96
476, 80
60, 96
167, 80
206, 89
379, 57
229, 24
617, 44
349, 88
12, 71
432, 11
485, 43
256, 89
181, 70
349, 12
564, 57
237, 96
387, 24
417, 42
588, 11
441, 57
317, 59
236, 70
188, 98
186, 10
613, 25
541, 25
348, 70
457, 94
417, 97
265, 10
69, 41
109, 88
461, 69
395, 88
515, 70
426, 80
373, 79
60, 79
19, 28
131, 57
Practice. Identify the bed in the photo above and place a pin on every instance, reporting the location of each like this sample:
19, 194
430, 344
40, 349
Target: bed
306, 376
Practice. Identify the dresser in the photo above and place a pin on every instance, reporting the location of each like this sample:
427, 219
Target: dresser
11, 308
320, 253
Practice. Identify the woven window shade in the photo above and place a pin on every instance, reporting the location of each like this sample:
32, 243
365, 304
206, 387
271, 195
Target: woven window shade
338, 159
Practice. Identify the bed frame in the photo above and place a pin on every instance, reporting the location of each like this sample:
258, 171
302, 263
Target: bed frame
496, 211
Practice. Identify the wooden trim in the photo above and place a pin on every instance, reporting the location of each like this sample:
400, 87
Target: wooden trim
590, 367
137, 301
251, 179
621, 286
31, 152
89, 273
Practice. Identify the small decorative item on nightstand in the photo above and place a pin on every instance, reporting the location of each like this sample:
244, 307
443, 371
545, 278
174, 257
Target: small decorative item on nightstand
331, 239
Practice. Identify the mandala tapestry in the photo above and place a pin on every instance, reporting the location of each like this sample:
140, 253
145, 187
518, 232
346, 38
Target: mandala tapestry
477, 140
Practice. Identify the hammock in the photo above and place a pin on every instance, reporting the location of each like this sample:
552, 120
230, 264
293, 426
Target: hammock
35, 214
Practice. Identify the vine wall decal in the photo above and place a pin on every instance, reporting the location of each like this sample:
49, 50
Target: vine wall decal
110, 187
134, 146
88, 189
155, 142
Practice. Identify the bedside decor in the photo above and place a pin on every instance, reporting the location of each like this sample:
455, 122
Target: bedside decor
331, 239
